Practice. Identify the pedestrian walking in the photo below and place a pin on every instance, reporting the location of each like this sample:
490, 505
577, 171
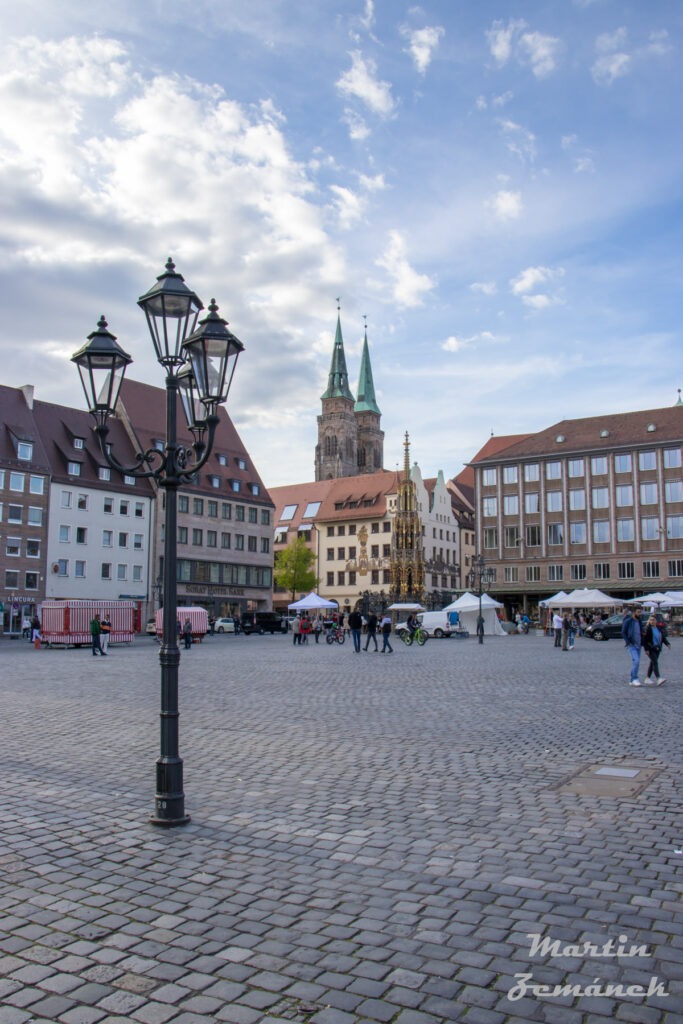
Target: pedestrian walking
653, 639
355, 625
557, 628
105, 630
631, 632
95, 633
305, 630
187, 633
371, 631
386, 633
212, 625
238, 622
317, 627
296, 630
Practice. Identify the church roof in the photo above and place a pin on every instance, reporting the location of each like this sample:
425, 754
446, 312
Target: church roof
338, 379
366, 401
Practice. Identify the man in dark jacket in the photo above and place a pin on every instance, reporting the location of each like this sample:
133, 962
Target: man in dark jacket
355, 625
372, 630
631, 632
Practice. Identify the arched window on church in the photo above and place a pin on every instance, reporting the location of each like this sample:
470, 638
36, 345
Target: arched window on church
330, 445
334, 445
361, 456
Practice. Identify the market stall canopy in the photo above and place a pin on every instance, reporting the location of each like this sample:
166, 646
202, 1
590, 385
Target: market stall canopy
559, 596
406, 608
468, 602
466, 610
585, 598
648, 599
675, 598
312, 600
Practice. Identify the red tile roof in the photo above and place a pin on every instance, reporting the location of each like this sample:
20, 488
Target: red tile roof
494, 445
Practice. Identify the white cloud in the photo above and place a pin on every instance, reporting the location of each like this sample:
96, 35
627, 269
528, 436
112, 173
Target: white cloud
519, 140
659, 44
610, 67
500, 101
532, 48
368, 19
376, 184
539, 301
409, 287
422, 44
348, 205
608, 42
584, 164
533, 278
358, 130
485, 287
361, 82
569, 140
481, 103
506, 205
455, 344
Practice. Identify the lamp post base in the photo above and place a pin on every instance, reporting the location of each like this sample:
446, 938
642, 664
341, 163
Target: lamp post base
169, 800
169, 822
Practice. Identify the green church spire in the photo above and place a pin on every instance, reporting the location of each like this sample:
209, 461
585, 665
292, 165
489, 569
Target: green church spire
338, 380
366, 401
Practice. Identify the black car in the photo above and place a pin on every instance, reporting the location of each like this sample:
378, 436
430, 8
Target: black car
263, 622
606, 629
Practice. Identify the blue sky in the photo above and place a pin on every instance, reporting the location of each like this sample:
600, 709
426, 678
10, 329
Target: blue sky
497, 186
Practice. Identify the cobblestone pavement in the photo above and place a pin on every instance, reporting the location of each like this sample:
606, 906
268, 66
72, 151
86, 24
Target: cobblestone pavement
373, 838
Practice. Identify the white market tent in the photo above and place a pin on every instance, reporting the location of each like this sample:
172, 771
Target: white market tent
467, 607
584, 598
649, 600
559, 596
312, 601
406, 607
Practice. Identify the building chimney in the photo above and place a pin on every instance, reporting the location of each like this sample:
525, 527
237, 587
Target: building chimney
27, 392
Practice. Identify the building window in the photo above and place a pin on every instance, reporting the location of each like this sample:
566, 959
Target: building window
626, 570
239, 513
511, 536
79, 570
511, 505
598, 465
241, 464
374, 528
212, 509
239, 542
82, 502
33, 549
490, 506
17, 481
182, 535
121, 572
575, 467
15, 513
649, 528
137, 541
330, 554
24, 451
647, 460
11, 579
577, 572
673, 490
123, 508
650, 570
330, 579
601, 570
491, 537
601, 531
197, 538
36, 484
341, 553
137, 573
600, 497
488, 477
265, 545
65, 499
255, 489
374, 551
624, 495
183, 503
107, 537
672, 458
352, 579
31, 579
211, 539
674, 527
386, 551
531, 472
533, 536
625, 530
197, 506
509, 474
106, 570
675, 567
577, 499
35, 516
222, 460
225, 540
226, 510
553, 470
123, 540
253, 515
622, 463
215, 481
81, 535
64, 532
555, 534
577, 533
531, 502
235, 485
79, 443
341, 579
129, 481
73, 468
532, 573
648, 494
554, 501
109, 506
139, 510
555, 573
251, 543
511, 574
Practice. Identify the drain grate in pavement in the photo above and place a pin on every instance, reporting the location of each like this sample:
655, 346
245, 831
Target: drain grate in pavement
609, 780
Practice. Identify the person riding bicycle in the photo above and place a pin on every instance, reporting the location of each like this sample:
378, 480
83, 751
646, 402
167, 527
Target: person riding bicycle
412, 624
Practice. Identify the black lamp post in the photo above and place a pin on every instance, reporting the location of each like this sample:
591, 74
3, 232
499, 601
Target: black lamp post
199, 365
480, 575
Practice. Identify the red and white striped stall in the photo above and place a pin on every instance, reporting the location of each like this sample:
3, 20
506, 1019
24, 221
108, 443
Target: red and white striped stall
68, 622
199, 617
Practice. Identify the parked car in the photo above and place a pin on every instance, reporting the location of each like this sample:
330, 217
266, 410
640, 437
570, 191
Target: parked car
263, 622
151, 628
606, 629
226, 624
434, 624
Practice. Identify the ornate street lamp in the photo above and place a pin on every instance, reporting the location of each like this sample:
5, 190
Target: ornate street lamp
480, 575
199, 365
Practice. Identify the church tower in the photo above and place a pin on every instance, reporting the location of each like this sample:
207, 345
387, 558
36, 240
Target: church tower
370, 437
335, 452
407, 550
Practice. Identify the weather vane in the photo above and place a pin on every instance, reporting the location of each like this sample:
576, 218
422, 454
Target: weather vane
338, 301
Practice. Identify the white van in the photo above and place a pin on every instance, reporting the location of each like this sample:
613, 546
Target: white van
436, 623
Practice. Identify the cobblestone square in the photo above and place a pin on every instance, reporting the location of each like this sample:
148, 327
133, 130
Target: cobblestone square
373, 837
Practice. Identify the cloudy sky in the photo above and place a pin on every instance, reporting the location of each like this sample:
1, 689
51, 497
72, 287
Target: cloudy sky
497, 186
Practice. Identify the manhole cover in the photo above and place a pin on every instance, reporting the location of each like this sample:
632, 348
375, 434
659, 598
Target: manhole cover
609, 780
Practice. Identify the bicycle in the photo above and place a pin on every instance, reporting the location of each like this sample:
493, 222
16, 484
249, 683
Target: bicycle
335, 635
419, 635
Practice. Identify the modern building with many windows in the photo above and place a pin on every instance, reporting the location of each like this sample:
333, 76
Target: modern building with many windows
594, 502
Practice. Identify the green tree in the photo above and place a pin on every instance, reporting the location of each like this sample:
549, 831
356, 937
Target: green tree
293, 568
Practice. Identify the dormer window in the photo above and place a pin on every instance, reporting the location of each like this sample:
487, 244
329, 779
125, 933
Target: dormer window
25, 450
104, 473
235, 485
255, 489
73, 468
222, 460
79, 443
158, 444
241, 464
215, 481
129, 480
604, 433
650, 429
560, 439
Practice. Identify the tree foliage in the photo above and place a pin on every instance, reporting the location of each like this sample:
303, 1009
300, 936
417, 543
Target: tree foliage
293, 568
